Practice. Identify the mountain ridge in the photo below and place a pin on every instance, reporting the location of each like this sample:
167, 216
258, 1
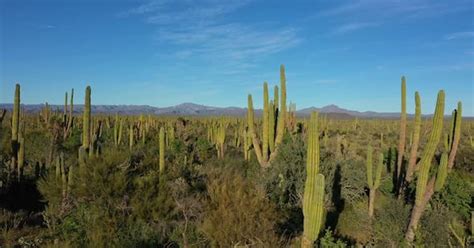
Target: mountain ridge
193, 109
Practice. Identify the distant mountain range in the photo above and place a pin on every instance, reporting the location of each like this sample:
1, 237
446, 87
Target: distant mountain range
191, 109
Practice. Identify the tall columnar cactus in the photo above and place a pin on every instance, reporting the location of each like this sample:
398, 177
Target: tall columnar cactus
16, 116
415, 140
65, 108
162, 150
271, 127
86, 120
116, 129
220, 140
120, 131
82, 160
313, 201
373, 183
21, 151
265, 127
403, 126
442, 172
313, 156
455, 134
262, 149
283, 110
424, 185
130, 137
68, 114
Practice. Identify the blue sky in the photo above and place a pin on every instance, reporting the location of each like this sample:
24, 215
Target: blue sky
215, 52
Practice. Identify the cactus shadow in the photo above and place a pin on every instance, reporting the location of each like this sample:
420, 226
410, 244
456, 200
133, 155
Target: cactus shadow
332, 217
22, 196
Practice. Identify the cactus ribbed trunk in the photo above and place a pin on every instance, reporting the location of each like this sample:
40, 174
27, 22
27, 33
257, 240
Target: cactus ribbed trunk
403, 126
86, 121
162, 150
456, 134
265, 124
416, 139
313, 201
253, 135
425, 189
282, 113
271, 127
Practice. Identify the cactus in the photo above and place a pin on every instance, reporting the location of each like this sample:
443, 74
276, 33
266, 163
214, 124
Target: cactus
282, 113
68, 117
16, 115
21, 157
265, 127
162, 150
455, 134
271, 127
442, 172
70, 180
313, 201
403, 126
82, 159
116, 130
373, 183
86, 133
312, 160
130, 137
120, 131
220, 140
425, 187
262, 149
416, 139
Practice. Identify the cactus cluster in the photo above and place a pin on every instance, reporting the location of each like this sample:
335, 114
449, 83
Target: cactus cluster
274, 117
425, 185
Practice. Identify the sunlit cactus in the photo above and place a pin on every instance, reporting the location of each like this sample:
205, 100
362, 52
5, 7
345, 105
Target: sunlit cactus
271, 126
265, 125
86, 120
130, 137
262, 146
455, 134
403, 126
220, 140
162, 149
442, 172
373, 181
16, 115
416, 139
425, 189
313, 201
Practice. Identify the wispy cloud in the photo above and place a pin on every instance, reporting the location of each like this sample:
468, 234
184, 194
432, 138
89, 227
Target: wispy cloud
46, 26
351, 27
362, 14
459, 35
201, 29
399, 8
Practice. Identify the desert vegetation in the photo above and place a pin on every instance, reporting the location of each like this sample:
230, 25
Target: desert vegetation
70, 179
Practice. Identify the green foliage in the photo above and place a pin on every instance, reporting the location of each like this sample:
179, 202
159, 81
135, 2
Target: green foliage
329, 241
457, 194
390, 225
238, 213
